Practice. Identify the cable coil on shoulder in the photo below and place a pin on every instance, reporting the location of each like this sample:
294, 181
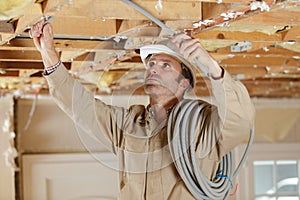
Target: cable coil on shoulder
181, 135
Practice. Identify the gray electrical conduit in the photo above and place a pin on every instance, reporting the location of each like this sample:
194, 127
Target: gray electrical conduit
150, 16
183, 119
181, 135
163, 26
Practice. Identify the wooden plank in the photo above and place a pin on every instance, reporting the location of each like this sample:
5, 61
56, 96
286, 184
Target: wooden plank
261, 61
60, 44
278, 17
32, 15
246, 72
8, 55
293, 34
233, 15
83, 26
115, 9
241, 33
5, 38
274, 51
6, 27
223, 46
176, 25
211, 9
130, 24
4, 65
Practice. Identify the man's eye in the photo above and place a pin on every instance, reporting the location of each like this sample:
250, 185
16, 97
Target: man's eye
166, 66
150, 64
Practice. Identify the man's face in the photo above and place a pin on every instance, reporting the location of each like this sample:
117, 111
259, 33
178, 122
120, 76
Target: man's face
163, 75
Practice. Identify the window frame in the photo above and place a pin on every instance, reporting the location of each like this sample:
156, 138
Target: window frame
261, 152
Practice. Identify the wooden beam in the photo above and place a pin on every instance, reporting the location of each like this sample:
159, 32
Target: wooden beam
65, 26
249, 33
233, 15
115, 9
211, 9
277, 17
6, 27
6, 65
293, 34
18, 55
32, 16
253, 60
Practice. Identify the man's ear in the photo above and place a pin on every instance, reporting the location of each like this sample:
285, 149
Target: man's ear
184, 83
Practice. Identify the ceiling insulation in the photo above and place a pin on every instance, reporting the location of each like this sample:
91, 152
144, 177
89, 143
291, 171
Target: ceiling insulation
10, 9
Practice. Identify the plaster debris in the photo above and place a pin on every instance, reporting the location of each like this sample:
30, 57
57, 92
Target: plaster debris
6, 125
268, 68
241, 46
263, 6
10, 154
289, 43
204, 22
296, 57
240, 76
231, 15
159, 5
18, 93
225, 24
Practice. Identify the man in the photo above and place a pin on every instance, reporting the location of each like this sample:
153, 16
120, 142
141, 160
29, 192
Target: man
138, 135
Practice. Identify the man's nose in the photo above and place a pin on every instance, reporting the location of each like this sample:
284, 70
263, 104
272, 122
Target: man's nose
153, 69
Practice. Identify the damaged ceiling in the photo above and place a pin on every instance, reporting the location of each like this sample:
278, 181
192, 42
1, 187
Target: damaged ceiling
98, 41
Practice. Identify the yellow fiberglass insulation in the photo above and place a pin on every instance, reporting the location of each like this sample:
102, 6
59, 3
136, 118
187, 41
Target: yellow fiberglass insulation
13, 8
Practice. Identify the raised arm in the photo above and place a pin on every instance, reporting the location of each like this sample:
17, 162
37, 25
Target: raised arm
233, 117
93, 119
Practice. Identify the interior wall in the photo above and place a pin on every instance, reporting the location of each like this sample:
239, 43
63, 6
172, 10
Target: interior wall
7, 152
51, 130
277, 120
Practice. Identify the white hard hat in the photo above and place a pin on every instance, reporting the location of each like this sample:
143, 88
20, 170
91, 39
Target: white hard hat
167, 47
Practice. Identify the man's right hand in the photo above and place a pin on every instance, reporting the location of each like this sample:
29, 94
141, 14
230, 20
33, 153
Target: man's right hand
43, 40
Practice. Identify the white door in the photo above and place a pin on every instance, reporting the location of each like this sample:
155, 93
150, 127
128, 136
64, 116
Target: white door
69, 177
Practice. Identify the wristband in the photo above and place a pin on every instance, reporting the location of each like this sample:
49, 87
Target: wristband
49, 70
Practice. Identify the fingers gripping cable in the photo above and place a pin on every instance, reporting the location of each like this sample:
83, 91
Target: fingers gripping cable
181, 135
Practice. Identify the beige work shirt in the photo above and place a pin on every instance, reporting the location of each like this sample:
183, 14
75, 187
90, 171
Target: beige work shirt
141, 144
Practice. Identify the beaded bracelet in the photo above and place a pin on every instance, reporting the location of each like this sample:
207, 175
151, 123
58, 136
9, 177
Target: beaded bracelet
49, 70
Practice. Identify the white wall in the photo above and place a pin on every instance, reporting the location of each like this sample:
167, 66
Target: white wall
277, 120
51, 130
7, 188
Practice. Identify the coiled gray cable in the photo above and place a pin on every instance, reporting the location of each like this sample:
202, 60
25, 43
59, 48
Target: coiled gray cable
181, 135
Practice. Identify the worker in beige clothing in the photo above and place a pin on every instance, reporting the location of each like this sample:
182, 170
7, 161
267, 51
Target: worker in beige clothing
138, 135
